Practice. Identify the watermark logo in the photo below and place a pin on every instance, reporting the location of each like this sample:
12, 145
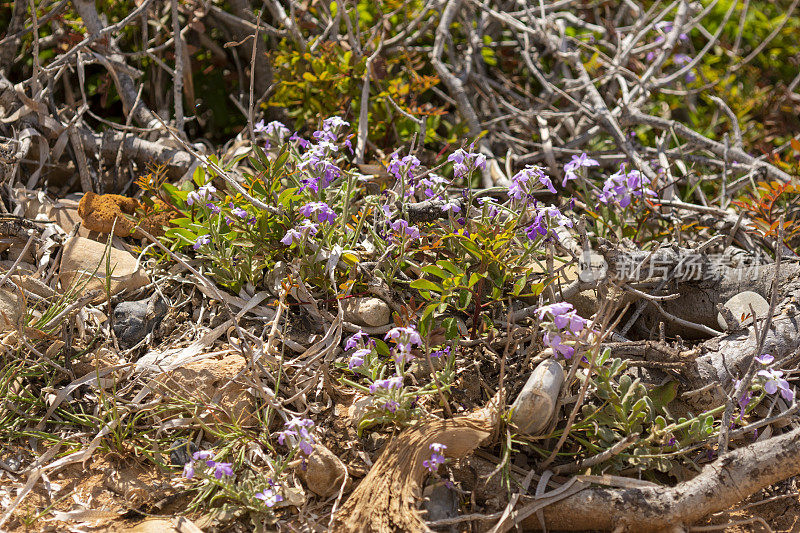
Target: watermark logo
680, 265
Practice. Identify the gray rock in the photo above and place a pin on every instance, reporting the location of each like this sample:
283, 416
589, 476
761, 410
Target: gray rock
440, 502
739, 305
534, 407
181, 452
134, 320
10, 309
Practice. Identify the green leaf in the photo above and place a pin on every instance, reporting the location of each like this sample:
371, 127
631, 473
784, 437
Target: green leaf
424, 284
262, 157
199, 176
663, 394
473, 279
519, 285
450, 327
256, 164
471, 248
280, 161
181, 233
436, 271
450, 266
464, 299
429, 310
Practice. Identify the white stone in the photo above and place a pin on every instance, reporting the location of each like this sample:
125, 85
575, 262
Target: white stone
367, 311
84, 259
739, 306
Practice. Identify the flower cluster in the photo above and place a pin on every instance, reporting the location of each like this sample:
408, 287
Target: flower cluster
465, 162
622, 186
274, 129
300, 233
402, 227
298, 428
315, 162
543, 219
577, 162
323, 212
405, 337
520, 183
432, 185
363, 343
200, 241
395, 382
566, 321
201, 195
436, 459
220, 469
401, 168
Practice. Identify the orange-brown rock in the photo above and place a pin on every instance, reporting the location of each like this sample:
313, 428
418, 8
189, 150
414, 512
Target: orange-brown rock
100, 211
216, 384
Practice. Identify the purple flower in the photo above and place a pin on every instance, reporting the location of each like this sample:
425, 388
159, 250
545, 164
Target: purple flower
269, 497
401, 167
452, 205
298, 427
291, 236
564, 316
259, 126
540, 225
239, 212
440, 353
223, 469
395, 382
537, 228
200, 195
391, 406
303, 143
201, 240
765, 359
214, 208
577, 162
519, 182
352, 342
405, 337
357, 359
332, 123
556, 309
650, 56
681, 59
554, 342
188, 470
465, 162
402, 227
322, 210
301, 232
277, 129
776, 382
621, 187
436, 459
744, 400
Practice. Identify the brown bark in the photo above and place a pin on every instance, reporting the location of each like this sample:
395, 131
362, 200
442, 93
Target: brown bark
386, 500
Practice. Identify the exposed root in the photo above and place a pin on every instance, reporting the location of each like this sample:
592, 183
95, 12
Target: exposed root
386, 500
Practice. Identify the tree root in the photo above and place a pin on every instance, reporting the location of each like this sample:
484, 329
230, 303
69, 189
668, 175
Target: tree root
721, 484
386, 500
